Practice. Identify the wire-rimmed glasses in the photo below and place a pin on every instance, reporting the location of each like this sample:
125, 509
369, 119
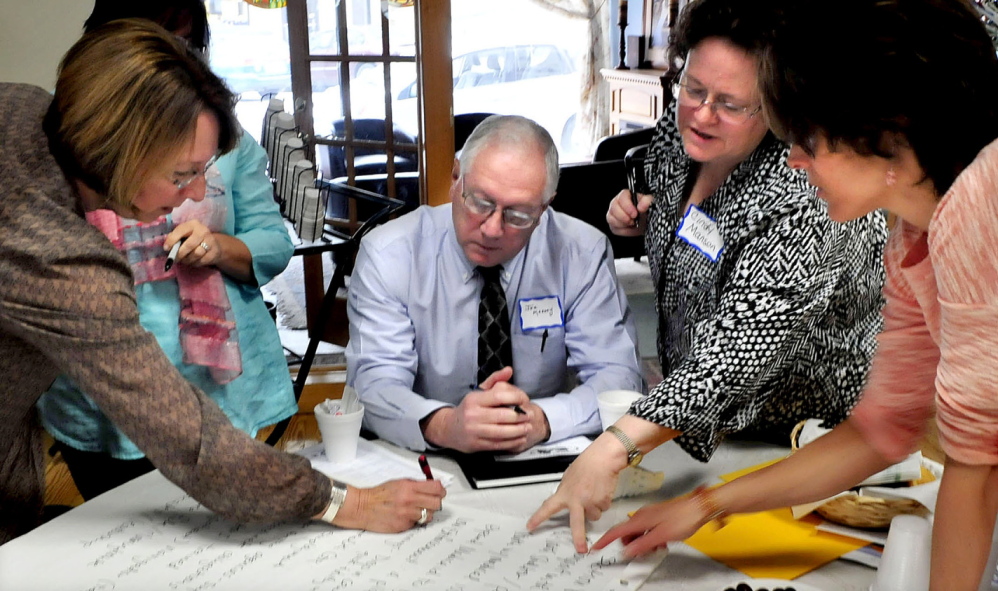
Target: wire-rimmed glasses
181, 180
514, 218
694, 96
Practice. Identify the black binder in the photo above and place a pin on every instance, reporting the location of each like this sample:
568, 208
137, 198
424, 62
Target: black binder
483, 470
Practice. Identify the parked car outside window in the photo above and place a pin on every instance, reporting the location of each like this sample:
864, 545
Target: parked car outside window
248, 71
535, 81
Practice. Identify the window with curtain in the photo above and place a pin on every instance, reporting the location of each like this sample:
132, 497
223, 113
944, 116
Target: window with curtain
360, 108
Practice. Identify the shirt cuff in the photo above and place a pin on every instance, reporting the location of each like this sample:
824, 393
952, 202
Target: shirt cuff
413, 434
559, 416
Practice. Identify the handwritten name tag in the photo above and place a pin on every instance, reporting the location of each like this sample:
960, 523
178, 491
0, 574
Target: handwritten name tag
538, 313
700, 231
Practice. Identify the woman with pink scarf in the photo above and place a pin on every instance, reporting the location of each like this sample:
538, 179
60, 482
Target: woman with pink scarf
206, 310
135, 121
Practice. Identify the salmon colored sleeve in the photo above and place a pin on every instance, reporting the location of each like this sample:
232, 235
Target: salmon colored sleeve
898, 399
963, 241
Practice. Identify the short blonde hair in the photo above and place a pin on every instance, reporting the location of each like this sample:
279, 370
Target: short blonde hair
128, 96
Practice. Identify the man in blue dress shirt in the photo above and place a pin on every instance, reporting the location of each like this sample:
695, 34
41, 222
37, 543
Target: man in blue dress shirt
414, 308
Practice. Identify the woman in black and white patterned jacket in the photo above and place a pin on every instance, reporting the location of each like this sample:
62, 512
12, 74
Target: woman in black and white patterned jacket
768, 310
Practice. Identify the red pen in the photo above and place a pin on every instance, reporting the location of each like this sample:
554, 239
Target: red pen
425, 467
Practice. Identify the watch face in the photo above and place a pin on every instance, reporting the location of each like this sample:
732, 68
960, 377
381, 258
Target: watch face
634, 458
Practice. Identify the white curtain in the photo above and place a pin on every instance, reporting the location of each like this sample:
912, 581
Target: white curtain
594, 100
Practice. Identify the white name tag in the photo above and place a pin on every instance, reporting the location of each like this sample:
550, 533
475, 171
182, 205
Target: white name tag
538, 313
700, 231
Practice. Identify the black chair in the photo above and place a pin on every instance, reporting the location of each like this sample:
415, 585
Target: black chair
343, 244
367, 160
464, 124
585, 191
406, 176
614, 147
406, 191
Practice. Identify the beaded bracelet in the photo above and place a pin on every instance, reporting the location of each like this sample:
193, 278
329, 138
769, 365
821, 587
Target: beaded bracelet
705, 500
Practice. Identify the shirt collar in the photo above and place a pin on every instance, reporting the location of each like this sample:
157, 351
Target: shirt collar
508, 268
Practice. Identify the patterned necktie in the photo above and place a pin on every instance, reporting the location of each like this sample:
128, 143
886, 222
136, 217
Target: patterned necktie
495, 350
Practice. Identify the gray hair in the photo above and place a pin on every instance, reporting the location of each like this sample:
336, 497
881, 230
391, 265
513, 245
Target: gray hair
516, 132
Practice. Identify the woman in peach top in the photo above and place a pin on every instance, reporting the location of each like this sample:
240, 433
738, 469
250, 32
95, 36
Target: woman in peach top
893, 104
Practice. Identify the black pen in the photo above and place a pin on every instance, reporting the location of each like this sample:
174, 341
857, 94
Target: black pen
544, 339
173, 254
516, 407
634, 200
631, 163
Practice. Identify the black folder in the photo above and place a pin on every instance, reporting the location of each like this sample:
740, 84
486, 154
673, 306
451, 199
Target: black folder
483, 470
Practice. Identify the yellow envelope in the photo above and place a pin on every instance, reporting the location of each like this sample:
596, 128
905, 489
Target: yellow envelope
771, 544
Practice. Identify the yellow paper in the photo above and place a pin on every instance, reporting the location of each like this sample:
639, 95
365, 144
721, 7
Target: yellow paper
926, 477
771, 544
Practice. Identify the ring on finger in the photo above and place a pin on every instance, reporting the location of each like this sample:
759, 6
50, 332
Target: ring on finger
424, 516
205, 246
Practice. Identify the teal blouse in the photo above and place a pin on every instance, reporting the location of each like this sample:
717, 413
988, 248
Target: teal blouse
263, 394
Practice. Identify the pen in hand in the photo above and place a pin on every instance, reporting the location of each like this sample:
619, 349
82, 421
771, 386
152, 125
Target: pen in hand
170, 258
425, 467
519, 410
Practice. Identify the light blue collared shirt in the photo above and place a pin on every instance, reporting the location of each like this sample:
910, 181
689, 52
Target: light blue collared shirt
413, 307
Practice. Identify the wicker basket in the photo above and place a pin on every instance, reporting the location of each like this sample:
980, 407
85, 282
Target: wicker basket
868, 512
854, 510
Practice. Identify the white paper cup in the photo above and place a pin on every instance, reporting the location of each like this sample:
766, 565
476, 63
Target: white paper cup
340, 433
907, 553
613, 404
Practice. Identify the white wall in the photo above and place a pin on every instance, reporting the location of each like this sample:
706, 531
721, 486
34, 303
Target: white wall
34, 34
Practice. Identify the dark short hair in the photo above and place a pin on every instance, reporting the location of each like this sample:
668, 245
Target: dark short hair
172, 15
874, 75
748, 25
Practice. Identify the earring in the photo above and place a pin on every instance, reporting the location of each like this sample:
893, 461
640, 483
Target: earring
891, 177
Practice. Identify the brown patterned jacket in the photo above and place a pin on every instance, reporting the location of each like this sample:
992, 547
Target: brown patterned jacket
67, 306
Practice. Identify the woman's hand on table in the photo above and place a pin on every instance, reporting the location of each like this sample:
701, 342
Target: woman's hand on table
653, 526
624, 217
586, 489
832, 463
392, 507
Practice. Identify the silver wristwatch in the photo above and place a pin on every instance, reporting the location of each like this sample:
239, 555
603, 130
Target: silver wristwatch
634, 455
337, 495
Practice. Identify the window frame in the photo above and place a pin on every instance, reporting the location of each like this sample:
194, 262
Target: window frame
435, 143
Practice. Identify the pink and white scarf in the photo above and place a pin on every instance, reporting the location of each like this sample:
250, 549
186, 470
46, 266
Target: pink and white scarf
208, 334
